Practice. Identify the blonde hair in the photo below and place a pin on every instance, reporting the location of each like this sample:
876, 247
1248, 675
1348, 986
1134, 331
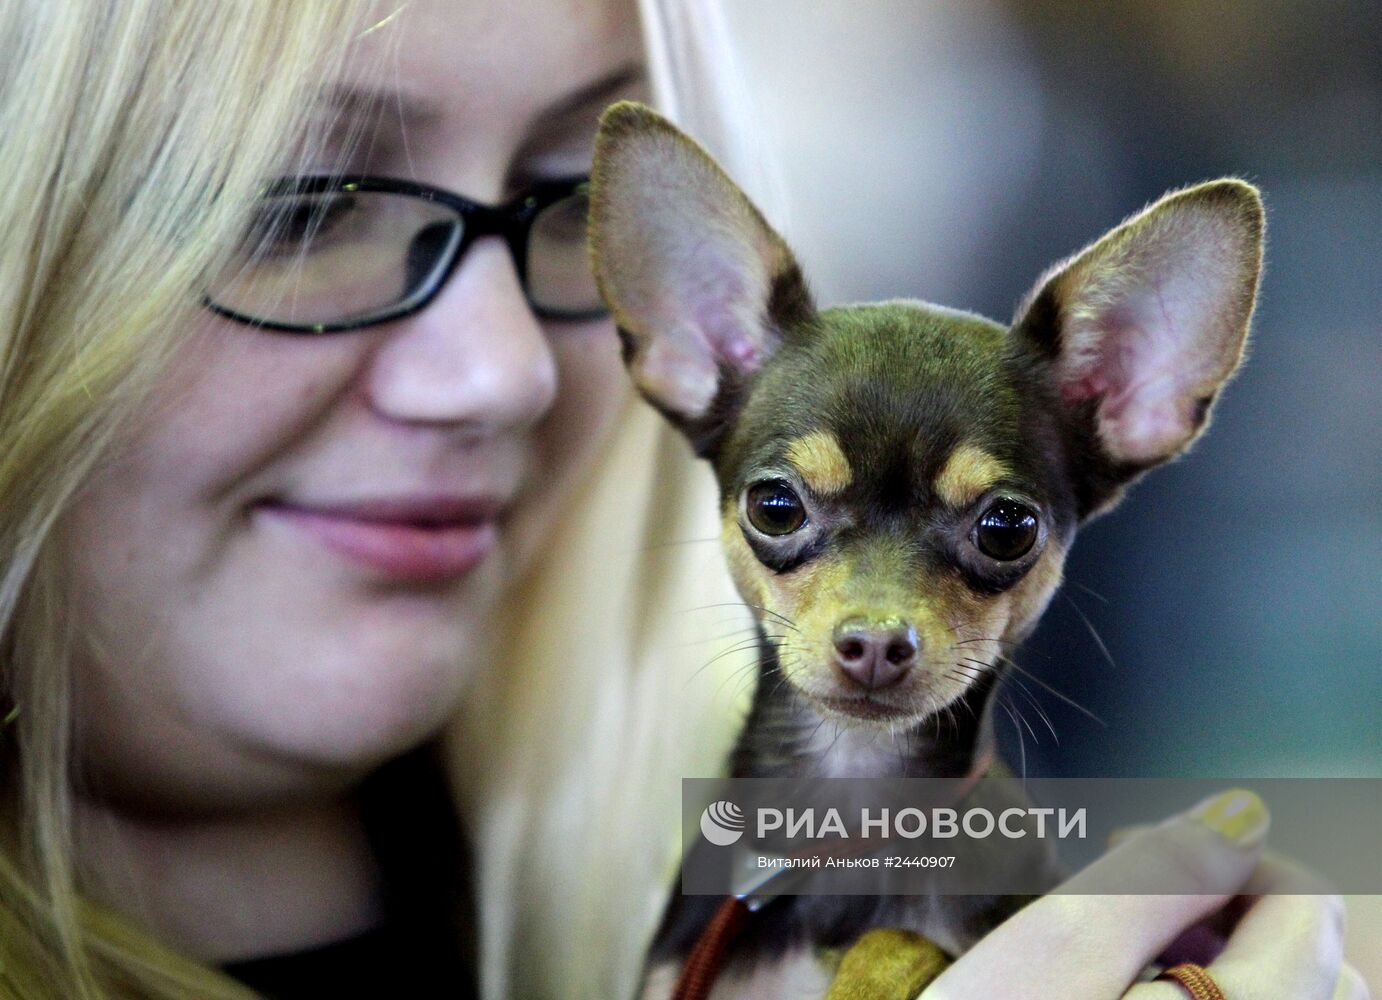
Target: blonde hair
614, 682
120, 192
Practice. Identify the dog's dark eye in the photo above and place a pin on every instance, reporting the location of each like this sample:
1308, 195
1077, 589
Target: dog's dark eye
775, 509
1006, 530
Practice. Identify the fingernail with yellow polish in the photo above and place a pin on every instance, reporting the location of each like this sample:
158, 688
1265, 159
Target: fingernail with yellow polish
1237, 814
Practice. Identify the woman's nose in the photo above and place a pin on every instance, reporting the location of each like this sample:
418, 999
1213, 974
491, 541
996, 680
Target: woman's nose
475, 356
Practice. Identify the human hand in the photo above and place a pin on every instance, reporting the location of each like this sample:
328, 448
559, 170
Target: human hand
1286, 944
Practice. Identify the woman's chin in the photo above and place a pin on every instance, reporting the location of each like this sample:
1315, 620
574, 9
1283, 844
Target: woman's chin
368, 710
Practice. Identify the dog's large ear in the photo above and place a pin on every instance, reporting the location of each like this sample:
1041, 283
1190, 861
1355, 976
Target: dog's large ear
1142, 329
701, 287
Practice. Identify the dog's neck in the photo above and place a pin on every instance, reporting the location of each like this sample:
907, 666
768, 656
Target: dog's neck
786, 736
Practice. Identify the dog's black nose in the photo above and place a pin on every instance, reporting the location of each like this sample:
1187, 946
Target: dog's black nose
875, 654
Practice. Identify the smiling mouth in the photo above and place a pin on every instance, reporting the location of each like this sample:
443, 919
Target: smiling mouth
419, 547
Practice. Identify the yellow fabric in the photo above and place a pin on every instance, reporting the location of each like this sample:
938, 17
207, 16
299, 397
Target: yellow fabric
887, 964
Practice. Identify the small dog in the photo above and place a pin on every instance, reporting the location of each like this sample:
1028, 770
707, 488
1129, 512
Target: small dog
899, 482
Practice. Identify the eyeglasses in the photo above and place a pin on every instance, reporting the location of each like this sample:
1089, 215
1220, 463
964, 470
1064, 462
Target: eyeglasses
325, 254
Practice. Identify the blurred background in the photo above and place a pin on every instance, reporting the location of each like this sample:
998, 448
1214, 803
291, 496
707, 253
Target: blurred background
1225, 620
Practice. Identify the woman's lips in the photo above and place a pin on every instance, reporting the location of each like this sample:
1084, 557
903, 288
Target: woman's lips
431, 545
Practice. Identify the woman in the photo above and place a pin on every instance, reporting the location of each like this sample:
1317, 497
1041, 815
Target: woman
220, 616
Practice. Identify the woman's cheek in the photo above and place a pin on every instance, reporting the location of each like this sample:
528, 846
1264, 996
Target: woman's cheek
592, 391
218, 640
206, 636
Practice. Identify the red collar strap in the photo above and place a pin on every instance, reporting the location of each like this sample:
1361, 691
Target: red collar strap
707, 957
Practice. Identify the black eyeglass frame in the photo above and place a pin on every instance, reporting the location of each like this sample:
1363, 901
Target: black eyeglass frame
513, 221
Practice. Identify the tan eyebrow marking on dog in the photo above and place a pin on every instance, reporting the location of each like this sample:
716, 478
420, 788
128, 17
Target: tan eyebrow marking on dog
967, 474
820, 461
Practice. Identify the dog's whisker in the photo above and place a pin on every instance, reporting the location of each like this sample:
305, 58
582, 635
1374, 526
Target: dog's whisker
755, 607
783, 667
1091, 592
1098, 639
984, 638
968, 708
732, 676
1059, 694
838, 733
746, 679
777, 616
1026, 691
1021, 745
954, 722
739, 604
1022, 717
717, 638
743, 646
897, 749
981, 665
750, 643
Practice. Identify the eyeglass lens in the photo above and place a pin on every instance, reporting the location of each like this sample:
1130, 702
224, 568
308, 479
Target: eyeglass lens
344, 257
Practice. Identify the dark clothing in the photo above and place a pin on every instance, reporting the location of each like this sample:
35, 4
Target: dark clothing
425, 946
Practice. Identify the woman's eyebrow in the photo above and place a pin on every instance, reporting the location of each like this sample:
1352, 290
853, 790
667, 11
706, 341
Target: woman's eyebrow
351, 100
356, 100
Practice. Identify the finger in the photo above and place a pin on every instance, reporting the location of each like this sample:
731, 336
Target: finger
1157, 991
1204, 942
1351, 985
1279, 875
1124, 832
1289, 941
1149, 889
